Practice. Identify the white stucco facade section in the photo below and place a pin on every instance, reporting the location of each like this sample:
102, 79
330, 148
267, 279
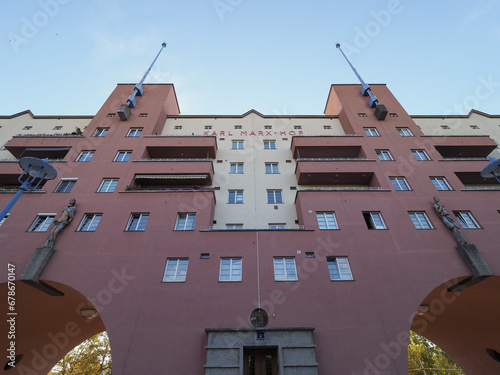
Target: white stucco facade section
26, 124
250, 142
475, 123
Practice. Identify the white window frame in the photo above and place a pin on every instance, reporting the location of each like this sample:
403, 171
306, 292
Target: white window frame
89, 223
270, 145
272, 168
237, 145
276, 226
420, 155
327, 220
100, 132
230, 269
466, 220
420, 220
374, 218
339, 268
123, 156
440, 182
179, 267
135, 132
42, 222
287, 266
236, 168
188, 224
85, 156
67, 182
111, 185
235, 197
405, 132
384, 155
277, 196
371, 132
234, 226
400, 184
140, 217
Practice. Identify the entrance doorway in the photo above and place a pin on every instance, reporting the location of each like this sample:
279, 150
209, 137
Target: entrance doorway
260, 361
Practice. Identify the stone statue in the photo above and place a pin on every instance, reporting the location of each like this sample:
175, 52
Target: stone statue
448, 221
59, 224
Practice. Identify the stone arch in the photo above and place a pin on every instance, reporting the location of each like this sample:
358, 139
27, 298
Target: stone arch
464, 324
46, 327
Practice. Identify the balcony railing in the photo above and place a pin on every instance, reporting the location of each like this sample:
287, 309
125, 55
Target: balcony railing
254, 228
471, 158
345, 188
44, 135
175, 159
493, 187
334, 159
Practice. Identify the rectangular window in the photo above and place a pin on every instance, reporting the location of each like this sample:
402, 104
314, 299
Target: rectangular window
440, 183
277, 226
123, 156
178, 127
230, 269
89, 223
326, 127
235, 196
327, 220
236, 168
185, 221
42, 223
100, 132
274, 196
237, 145
420, 155
362, 114
27, 127
237, 126
137, 222
339, 268
284, 269
268, 126
57, 127
371, 132
384, 155
400, 183
466, 220
297, 127
143, 115
405, 132
420, 220
234, 226
272, 168
269, 145
208, 126
176, 270
65, 185
393, 115
85, 156
134, 132
374, 220
108, 185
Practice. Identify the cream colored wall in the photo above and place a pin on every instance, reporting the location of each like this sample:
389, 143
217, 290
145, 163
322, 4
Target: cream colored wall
461, 125
45, 125
255, 211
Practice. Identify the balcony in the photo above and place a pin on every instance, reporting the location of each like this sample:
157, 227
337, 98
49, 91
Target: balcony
161, 147
472, 152
42, 146
168, 172
327, 147
474, 181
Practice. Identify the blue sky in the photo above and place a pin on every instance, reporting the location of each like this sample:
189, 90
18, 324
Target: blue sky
228, 56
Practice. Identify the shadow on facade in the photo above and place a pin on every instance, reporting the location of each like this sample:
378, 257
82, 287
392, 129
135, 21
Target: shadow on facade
43, 328
464, 324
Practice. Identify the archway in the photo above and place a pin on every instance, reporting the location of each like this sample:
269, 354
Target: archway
464, 324
43, 328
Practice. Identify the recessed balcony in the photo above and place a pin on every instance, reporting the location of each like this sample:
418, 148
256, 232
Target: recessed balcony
327, 147
173, 172
169, 147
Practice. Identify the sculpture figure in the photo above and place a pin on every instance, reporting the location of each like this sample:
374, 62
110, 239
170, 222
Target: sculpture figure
448, 221
59, 224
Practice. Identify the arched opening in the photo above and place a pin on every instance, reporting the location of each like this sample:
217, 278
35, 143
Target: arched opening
93, 356
464, 324
43, 328
425, 357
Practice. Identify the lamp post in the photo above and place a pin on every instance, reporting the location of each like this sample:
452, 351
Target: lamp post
33, 168
492, 170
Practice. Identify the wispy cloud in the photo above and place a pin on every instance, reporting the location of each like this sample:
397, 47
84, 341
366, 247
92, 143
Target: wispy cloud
476, 14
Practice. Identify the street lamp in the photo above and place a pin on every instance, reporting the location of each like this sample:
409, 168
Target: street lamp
492, 170
33, 168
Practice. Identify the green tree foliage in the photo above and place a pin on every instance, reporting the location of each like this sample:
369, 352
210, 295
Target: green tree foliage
425, 358
91, 357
